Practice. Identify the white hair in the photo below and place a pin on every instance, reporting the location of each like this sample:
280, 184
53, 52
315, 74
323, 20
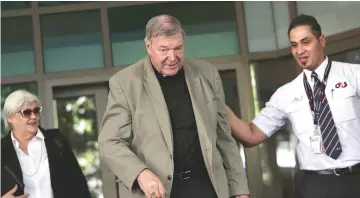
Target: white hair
163, 25
14, 102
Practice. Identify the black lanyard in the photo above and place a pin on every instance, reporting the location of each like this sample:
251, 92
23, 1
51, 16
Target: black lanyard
315, 102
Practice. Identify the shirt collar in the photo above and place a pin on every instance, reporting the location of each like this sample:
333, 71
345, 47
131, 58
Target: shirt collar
38, 136
319, 71
180, 73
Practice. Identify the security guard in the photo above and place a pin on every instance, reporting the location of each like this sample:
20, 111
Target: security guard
323, 107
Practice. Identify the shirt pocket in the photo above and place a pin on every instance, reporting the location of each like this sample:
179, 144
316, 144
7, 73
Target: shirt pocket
345, 105
300, 116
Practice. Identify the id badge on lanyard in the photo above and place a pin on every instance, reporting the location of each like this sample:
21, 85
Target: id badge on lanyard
316, 144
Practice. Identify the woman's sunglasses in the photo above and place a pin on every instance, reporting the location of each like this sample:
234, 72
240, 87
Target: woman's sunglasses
27, 112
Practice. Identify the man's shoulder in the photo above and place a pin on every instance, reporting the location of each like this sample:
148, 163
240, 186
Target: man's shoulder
203, 67
346, 67
199, 63
344, 64
130, 72
292, 85
289, 90
348, 72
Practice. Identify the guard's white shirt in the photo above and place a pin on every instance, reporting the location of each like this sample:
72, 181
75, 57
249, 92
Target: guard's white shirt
35, 167
290, 103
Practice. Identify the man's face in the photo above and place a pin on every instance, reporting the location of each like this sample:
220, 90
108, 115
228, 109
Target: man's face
166, 53
307, 50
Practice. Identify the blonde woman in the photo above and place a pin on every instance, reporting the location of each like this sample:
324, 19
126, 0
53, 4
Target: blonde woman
36, 163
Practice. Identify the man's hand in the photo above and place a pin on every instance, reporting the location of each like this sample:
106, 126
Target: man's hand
241, 196
11, 193
151, 185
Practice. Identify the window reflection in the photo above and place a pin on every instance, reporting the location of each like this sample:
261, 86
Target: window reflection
77, 121
72, 41
207, 24
58, 3
10, 5
335, 16
17, 47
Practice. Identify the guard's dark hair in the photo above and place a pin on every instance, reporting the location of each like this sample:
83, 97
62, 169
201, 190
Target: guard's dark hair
304, 19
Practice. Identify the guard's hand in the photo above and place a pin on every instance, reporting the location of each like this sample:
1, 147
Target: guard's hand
11, 193
151, 185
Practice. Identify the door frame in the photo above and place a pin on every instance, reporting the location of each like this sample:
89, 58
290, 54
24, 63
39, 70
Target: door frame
47, 120
86, 86
247, 112
98, 90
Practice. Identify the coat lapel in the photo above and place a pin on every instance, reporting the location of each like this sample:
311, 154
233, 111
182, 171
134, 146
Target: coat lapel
193, 81
54, 153
9, 158
157, 99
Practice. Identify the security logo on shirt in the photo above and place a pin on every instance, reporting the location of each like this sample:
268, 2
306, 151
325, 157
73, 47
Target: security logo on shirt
341, 85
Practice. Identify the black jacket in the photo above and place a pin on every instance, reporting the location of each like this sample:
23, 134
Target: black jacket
67, 179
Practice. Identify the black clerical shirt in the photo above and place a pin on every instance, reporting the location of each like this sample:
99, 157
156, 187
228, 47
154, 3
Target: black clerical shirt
187, 150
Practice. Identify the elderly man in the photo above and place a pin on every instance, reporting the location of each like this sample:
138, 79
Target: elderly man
164, 132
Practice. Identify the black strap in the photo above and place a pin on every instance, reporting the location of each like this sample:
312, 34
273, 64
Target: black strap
313, 102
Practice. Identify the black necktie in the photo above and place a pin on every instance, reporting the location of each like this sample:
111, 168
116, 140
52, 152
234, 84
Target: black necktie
326, 122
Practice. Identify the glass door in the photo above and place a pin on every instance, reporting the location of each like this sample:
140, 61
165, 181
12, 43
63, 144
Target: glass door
78, 111
236, 80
